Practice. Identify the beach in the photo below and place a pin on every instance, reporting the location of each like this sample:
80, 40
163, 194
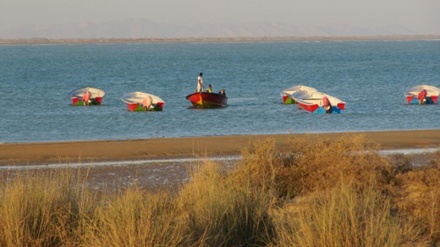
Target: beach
187, 147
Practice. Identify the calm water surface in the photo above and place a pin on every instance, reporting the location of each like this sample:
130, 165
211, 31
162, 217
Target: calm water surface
35, 81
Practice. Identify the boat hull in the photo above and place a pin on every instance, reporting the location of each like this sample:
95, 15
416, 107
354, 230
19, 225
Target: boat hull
135, 107
317, 108
422, 95
77, 101
141, 102
287, 99
207, 100
429, 100
316, 102
96, 96
310, 107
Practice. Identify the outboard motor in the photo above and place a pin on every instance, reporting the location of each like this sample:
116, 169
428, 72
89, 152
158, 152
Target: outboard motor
326, 104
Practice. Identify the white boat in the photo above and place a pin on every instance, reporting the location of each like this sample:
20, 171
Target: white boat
87, 96
422, 94
140, 101
286, 94
318, 102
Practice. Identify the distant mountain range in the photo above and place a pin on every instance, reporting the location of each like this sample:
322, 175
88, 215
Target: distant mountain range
144, 28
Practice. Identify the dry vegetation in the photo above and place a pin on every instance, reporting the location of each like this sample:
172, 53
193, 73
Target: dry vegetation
320, 193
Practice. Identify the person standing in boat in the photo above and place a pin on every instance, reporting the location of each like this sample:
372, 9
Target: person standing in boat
200, 83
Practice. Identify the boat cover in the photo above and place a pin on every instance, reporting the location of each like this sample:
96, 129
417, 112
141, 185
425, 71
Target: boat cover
298, 88
430, 90
141, 98
95, 92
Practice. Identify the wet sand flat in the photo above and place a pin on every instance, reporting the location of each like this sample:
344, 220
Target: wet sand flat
166, 148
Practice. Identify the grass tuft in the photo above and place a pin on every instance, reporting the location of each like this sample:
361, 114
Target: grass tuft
343, 216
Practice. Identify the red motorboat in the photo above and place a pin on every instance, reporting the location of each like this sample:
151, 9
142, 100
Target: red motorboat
318, 102
207, 100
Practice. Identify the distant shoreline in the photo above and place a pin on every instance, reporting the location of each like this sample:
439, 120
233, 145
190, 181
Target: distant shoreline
214, 40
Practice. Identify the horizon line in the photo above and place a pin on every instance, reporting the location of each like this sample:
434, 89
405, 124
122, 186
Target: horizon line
43, 40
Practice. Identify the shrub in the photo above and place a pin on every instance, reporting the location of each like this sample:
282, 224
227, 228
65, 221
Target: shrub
417, 199
312, 164
224, 213
342, 216
135, 218
43, 209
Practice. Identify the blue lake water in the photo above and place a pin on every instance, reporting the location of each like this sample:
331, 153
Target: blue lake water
371, 76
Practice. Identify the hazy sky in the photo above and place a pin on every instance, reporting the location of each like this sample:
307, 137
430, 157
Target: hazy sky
419, 15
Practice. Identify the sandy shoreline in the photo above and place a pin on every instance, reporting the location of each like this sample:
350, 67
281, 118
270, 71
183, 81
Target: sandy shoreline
93, 151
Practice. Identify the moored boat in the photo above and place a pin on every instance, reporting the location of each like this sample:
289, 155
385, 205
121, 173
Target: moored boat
318, 102
87, 96
422, 94
140, 101
286, 94
207, 100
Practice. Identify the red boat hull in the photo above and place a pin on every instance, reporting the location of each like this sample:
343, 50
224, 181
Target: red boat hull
207, 100
308, 106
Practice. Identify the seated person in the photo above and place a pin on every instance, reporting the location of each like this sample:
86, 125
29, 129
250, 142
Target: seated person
209, 89
327, 105
87, 98
422, 96
222, 92
147, 103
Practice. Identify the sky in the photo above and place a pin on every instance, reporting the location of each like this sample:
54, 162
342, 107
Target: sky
420, 15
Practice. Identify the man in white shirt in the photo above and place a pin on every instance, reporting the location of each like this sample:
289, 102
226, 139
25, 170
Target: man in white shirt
200, 83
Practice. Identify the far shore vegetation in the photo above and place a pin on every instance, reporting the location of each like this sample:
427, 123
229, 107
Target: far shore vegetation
339, 192
42, 40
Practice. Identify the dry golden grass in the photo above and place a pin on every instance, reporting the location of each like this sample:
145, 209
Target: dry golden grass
221, 212
417, 198
314, 164
44, 209
343, 216
318, 192
135, 218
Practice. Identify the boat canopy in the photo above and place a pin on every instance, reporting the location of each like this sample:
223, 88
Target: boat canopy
298, 88
141, 98
95, 92
430, 90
